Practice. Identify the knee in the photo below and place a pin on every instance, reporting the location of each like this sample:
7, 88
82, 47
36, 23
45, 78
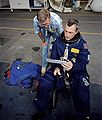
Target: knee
45, 84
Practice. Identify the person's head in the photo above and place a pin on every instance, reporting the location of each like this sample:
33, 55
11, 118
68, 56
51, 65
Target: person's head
71, 29
43, 17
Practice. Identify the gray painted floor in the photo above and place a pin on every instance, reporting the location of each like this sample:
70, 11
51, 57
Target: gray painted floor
17, 40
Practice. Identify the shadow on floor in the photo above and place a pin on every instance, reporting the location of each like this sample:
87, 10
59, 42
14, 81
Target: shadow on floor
16, 104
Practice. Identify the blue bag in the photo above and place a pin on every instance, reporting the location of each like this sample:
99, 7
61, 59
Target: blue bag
22, 73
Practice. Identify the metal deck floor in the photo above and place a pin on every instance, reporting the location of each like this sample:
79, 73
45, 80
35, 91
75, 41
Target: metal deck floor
17, 40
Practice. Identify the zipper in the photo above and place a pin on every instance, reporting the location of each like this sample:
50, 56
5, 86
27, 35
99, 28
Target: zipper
66, 52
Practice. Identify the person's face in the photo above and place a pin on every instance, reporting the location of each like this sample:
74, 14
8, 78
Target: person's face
45, 23
70, 32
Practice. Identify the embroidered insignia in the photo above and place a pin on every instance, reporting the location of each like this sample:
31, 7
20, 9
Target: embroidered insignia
73, 59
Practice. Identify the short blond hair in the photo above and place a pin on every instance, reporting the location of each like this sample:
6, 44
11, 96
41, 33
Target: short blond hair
42, 15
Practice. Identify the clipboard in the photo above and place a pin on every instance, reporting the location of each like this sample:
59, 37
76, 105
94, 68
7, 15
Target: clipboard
55, 61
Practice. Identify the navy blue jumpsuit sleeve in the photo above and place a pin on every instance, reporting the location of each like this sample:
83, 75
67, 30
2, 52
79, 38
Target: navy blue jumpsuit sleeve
81, 61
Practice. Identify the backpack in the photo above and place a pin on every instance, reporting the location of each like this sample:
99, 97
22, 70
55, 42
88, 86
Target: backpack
22, 73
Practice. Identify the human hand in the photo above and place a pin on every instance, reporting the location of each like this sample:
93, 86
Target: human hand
68, 65
57, 71
44, 43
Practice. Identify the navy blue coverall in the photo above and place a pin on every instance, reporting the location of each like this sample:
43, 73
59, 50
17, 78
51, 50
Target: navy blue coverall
78, 53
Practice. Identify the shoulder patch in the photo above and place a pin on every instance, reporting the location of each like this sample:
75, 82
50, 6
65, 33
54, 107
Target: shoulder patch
86, 46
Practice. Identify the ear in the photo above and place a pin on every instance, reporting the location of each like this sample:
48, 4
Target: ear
76, 32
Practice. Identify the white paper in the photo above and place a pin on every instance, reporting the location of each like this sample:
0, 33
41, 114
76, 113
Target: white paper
55, 61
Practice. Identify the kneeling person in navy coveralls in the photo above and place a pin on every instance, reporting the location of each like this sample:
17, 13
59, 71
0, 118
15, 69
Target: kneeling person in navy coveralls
70, 46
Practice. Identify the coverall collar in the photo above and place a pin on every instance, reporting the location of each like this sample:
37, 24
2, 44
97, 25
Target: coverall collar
73, 40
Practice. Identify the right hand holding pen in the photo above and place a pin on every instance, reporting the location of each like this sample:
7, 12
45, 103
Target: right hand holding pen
68, 65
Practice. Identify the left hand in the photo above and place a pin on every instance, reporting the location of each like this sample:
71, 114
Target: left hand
44, 44
57, 71
68, 65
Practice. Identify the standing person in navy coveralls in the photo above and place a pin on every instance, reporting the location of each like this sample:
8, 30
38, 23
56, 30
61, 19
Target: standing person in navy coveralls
70, 46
